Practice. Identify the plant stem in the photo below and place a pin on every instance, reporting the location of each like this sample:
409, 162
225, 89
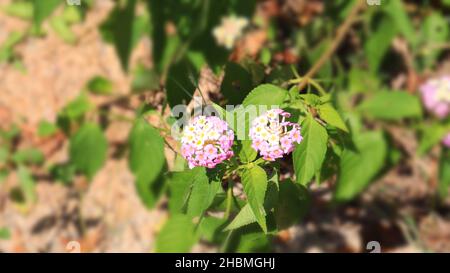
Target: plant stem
229, 199
340, 34
317, 86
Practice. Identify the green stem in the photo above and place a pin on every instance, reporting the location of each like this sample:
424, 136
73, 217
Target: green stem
229, 200
317, 86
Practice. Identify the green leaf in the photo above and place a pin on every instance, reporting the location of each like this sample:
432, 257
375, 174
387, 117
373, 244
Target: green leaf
315, 53
293, 204
309, 155
191, 192
256, 70
266, 95
27, 184
144, 79
43, 9
5, 234
3, 175
246, 152
177, 235
362, 81
280, 75
246, 215
46, 128
311, 99
62, 29
100, 85
23, 10
77, 108
28, 156
202, 196
402, 20
6, 49
63, 173
254, 181
331, 116
253, 242
146, 159
243, 218
120, 29
88, 148
358, 168
180, 187
435, 31
392, 105
444, 173
431, 135
180, 86
379, 42
236, 83
72, 15
210, 229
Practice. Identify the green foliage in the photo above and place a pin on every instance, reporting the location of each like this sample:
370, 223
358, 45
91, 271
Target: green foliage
191, 192
331, 116
88, 147
293, 204
435, 32
146, 160
180, 85
343, 106
177, 235
246, 152
21, 9
28, 156
123, 30
379, 42
358, 168
243, 218
444, 173
76, 108
392, 105
5, 234
254, 181
308, 156
100, 85
266, 95
46, 129
43, 9
431, 135
403, 22
7, 48
27, 184
236, 83
145, 79
62, 29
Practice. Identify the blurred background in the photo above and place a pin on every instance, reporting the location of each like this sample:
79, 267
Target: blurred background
105, 60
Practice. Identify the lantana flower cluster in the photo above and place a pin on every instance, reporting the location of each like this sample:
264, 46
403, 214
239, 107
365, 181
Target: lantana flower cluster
436, 98
273, 136
206, 142
230, 29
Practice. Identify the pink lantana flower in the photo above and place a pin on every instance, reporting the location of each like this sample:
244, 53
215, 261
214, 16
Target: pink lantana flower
272, 136
436, 96
206, 142
446, 140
